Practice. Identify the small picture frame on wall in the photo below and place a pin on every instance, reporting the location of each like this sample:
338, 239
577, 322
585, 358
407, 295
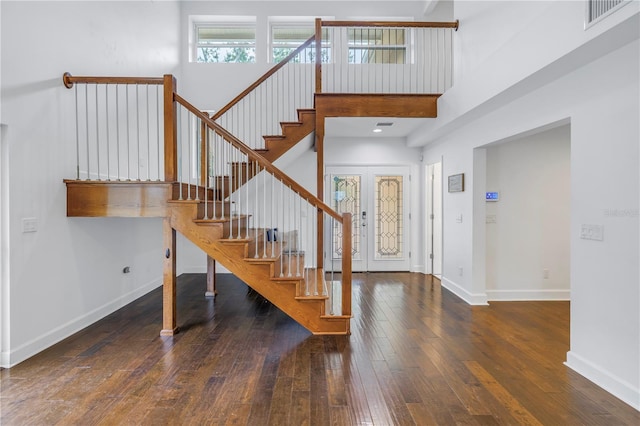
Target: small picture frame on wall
456, 183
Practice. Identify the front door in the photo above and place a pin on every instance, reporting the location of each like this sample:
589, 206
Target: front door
375, 196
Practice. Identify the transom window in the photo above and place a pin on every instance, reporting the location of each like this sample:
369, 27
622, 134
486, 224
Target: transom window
378, 45
285, 38
225, 42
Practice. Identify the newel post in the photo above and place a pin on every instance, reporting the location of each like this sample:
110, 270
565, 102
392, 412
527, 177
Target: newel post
169, 322
346, 264
170, 130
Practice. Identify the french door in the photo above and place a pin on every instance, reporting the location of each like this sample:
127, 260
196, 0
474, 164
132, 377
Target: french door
375, 196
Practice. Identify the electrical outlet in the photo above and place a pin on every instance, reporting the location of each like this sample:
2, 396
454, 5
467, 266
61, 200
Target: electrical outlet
459, 218
491, 218
460, 270
545, 274
29, 224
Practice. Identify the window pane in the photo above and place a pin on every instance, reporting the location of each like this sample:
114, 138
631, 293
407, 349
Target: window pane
388, 217
346, 198
225, 43
226, 54
377, 46
286, 38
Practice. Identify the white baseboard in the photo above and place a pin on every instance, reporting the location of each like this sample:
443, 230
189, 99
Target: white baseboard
202, 270
462, 293
29, 349
616, 386
192, 270
524, 295
418, 268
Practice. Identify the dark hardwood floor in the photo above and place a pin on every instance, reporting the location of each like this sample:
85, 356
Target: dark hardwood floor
417, 355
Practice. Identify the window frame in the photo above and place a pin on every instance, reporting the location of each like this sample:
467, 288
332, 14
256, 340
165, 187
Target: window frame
251, 46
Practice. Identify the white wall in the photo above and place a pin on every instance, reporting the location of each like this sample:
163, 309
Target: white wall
531, 230
500, 53
69, 273
601, 101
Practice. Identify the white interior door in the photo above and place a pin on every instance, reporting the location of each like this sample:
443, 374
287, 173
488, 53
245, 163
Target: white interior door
375, 196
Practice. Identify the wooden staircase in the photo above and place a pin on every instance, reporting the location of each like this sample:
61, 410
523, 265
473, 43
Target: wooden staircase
292, 133
263, 265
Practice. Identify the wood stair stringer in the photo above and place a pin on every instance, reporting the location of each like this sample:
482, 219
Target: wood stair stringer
292, 133
259, 275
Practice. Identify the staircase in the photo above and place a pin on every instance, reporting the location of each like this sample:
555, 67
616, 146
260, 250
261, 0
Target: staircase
292, 133
264, 265
213, 180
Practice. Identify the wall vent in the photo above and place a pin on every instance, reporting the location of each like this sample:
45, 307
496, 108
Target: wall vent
598, 9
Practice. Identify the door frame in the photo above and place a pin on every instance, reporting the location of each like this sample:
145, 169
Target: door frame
429, 246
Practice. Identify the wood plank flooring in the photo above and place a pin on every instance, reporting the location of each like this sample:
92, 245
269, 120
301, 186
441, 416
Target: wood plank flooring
417, 355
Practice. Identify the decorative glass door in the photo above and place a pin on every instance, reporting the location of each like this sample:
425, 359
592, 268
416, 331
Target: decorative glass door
375, 198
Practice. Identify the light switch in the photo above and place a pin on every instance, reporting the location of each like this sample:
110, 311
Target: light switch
29, 224
592, 232
491, 218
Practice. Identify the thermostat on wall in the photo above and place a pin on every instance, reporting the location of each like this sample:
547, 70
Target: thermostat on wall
492, 196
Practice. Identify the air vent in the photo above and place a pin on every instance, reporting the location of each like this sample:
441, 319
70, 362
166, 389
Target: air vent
385, 124
597, 9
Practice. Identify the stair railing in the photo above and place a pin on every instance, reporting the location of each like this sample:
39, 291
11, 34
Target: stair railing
385, 57
119, 129
273, 98
281, 219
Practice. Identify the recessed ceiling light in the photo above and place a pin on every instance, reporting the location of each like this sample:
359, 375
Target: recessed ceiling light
377, 130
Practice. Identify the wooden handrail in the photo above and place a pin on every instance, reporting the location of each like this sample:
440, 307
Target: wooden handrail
251, 154
392, 24
262, 79
69, 79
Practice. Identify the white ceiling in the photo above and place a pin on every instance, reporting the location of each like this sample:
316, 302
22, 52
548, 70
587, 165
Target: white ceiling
362, 127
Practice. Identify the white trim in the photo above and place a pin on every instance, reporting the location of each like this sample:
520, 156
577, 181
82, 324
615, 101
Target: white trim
419, 269
532, 294
194, 269
462, 293
31, 348
616, 386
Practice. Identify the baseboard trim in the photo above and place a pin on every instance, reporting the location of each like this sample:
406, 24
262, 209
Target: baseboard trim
462, 293
202, 270
616, 386
418, 269
31, 348
192, 270
525, 295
